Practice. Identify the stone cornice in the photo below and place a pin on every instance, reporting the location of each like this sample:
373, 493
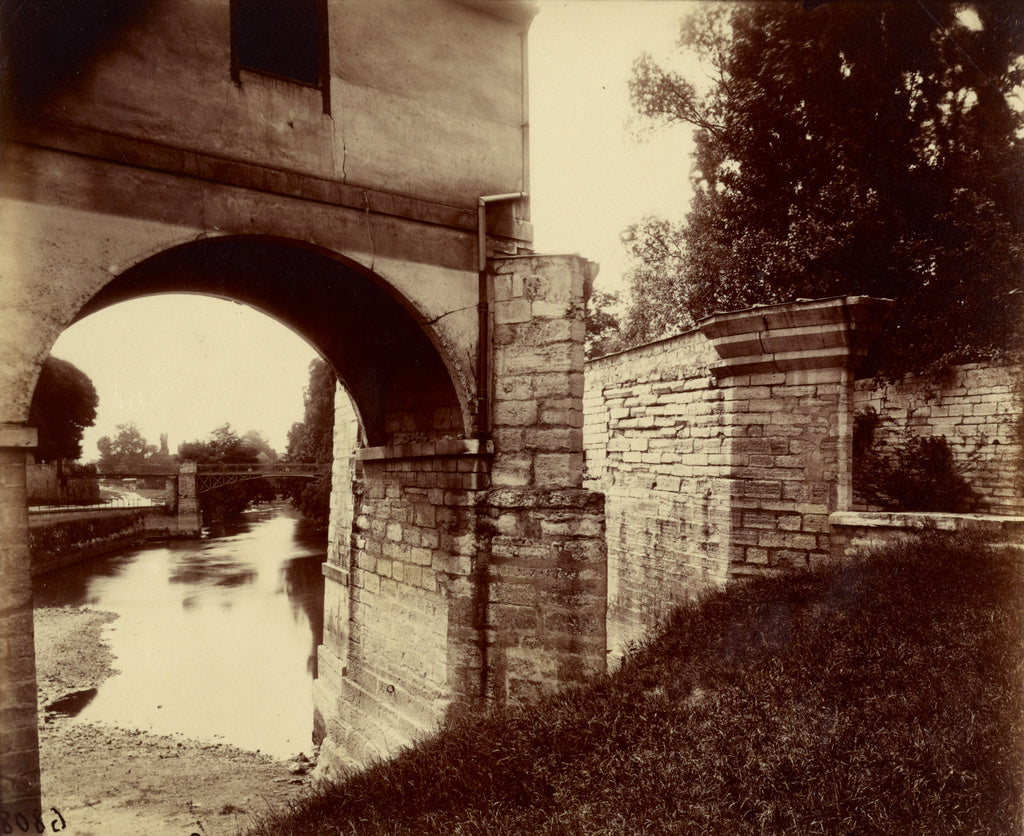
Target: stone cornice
427, 449
817, 334
183, 162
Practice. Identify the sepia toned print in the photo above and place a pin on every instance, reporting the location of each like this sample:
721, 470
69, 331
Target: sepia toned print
457, 530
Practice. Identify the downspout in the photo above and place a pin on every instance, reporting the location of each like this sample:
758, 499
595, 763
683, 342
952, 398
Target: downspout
481, 569
483, 372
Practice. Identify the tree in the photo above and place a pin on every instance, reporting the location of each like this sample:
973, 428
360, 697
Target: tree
655, 246
603, 331
128, 450
255, 439
226, 447
312, 440
852, 149
63, 405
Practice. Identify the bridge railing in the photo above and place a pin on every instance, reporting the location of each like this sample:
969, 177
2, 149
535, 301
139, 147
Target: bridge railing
119, 503
140, 472
276, 469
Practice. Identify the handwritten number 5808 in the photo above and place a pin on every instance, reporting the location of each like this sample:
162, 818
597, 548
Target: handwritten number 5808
21, 824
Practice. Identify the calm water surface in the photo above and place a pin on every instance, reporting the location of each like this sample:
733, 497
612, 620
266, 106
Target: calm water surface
216, 639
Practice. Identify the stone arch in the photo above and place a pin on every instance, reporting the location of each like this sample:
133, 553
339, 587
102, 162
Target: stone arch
385, 355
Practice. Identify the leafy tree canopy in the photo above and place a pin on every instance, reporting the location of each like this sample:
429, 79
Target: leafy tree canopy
127, 450
63, 405
312, 440
849, 148
604, 332
225, 446
255, 439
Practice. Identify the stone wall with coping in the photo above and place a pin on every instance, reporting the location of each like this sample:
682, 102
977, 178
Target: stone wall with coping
858, 533
655, 445
980, 411
58, 539
723, 451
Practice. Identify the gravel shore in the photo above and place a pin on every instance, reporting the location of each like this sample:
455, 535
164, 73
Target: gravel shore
107, 780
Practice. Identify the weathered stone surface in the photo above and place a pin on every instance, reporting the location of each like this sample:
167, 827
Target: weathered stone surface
721, 452
977, 409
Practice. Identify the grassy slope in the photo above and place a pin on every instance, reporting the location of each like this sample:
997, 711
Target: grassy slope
884, 697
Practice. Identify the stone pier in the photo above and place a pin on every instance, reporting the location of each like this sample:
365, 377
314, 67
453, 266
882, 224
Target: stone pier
19, 739
476, 567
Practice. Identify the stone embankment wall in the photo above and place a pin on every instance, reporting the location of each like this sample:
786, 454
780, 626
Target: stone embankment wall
980, 411
722, 451
61, 538
47, 486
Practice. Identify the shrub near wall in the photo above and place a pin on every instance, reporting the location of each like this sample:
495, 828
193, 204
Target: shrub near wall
977, 408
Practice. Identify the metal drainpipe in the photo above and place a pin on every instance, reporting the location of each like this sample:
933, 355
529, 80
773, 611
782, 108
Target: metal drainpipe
483, 374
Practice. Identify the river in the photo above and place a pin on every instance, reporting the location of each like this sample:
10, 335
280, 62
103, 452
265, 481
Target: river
214, 639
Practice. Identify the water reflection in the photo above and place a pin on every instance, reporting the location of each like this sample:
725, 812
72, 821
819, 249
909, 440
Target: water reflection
215, 639
71, 705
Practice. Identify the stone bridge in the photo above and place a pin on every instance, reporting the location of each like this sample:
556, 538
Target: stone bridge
373, 196
379, 208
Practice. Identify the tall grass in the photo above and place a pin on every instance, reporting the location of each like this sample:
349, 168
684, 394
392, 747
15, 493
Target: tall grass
885, 697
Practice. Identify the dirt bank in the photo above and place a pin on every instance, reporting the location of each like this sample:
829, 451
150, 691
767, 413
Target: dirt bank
106, 780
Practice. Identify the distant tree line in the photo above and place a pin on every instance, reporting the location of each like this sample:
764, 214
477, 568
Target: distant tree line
312, 440
64, 405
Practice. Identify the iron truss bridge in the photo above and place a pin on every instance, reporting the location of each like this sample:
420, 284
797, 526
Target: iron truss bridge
211, 476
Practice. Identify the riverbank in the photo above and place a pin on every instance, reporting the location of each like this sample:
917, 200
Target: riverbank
106, 780
878, 696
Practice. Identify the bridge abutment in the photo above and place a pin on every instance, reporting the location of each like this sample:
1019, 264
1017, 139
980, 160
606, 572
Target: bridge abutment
475, 569
547, 579
19, 737
190, 519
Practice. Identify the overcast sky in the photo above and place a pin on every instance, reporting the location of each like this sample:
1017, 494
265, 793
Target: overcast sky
184, 365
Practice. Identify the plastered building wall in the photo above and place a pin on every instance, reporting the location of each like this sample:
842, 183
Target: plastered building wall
151, 143
348, 211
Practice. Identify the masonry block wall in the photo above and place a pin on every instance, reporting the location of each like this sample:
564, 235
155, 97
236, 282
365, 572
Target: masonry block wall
62, 538
980, 411
400, 641
544, 532
784, 467
47, 485
655, 444
19, 741
474, 569
723, 451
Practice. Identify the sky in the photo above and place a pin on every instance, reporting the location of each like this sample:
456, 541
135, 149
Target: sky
195, 363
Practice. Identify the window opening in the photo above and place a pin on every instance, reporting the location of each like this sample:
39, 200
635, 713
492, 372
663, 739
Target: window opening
285, 39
